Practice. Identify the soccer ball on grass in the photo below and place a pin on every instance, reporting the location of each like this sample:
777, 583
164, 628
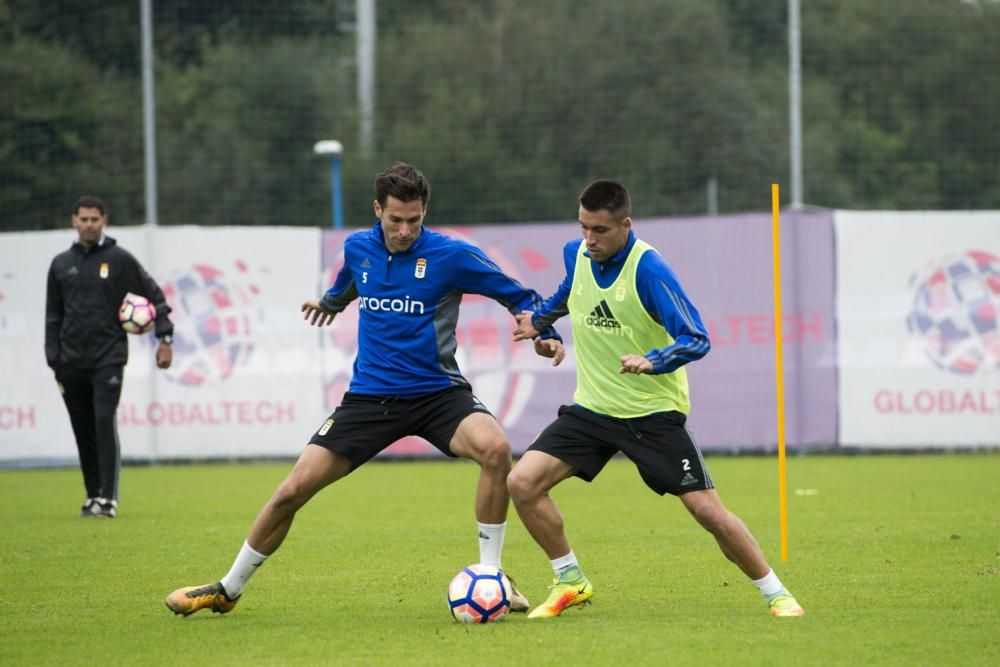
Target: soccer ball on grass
479, 594
137, 314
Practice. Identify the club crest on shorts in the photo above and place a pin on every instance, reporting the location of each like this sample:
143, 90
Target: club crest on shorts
325, 428
104, 270
421, 268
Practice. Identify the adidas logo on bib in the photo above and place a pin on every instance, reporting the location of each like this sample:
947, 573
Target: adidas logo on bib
603, 317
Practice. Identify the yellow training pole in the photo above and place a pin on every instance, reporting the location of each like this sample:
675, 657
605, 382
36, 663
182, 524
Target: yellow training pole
779, 370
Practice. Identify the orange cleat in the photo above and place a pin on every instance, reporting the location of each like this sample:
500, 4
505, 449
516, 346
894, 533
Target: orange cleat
188, 600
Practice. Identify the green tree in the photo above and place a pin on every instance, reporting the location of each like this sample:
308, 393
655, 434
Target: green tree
55, 142
911, 117
237, 130
509, 106
532, 101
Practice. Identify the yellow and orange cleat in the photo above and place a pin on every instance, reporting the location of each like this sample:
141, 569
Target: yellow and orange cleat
784, 604
190, 599
563, 595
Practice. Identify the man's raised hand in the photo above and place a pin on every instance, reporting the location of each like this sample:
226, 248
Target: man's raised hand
315, 315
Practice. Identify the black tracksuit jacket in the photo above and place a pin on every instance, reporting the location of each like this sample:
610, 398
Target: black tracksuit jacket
85, 290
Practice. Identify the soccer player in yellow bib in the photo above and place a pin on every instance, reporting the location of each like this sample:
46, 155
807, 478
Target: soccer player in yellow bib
634, 329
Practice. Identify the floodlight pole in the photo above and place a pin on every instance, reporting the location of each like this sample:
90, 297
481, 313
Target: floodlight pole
334, 149
148, 111
149, 162
367, 34
795, 102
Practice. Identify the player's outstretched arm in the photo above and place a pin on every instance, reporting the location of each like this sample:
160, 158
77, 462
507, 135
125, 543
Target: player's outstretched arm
315, 315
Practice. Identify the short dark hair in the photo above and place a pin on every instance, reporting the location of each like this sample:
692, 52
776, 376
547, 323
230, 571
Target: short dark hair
610, 196
404, 182
90, 201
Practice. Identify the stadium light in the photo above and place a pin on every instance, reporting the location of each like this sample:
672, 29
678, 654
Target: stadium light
334, 149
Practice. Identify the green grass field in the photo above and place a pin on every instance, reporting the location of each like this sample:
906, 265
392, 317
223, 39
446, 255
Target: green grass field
895, 558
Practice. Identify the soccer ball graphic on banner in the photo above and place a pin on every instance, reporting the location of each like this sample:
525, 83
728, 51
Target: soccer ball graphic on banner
137, 314
217, 316
479, 594
956, 312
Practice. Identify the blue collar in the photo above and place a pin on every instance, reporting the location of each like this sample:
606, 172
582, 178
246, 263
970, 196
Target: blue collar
379, 235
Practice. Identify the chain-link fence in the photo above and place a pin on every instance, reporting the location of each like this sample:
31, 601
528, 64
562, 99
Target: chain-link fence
509, 106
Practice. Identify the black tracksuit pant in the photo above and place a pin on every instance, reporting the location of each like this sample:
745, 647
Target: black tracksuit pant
91, 396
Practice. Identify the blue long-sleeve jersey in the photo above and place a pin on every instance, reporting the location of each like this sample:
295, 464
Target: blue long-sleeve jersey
409, 305
660, 293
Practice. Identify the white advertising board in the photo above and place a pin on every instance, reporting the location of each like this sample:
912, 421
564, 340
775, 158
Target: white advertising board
245, 379
918, 328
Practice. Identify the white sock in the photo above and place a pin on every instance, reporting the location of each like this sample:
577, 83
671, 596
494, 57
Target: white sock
246, 563
564, 567
769, 585
491, 543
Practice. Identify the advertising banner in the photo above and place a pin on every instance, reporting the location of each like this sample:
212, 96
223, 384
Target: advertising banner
33, 422
919, 328
726, 265
245, 378
251, 379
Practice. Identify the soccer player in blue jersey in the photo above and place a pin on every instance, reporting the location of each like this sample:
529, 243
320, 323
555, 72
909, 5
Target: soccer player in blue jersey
634, 329
408, 282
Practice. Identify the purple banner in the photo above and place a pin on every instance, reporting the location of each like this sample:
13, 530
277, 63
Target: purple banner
725, 265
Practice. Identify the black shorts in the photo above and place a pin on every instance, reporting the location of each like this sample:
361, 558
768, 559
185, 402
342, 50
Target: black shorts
668, 459
363, 425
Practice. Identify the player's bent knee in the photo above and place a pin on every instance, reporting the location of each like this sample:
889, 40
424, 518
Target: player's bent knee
495, 453
520, 487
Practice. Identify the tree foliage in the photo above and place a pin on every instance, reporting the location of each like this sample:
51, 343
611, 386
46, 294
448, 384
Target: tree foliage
509, 106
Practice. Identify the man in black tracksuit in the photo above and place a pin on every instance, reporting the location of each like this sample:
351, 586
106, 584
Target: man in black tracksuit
86, 347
